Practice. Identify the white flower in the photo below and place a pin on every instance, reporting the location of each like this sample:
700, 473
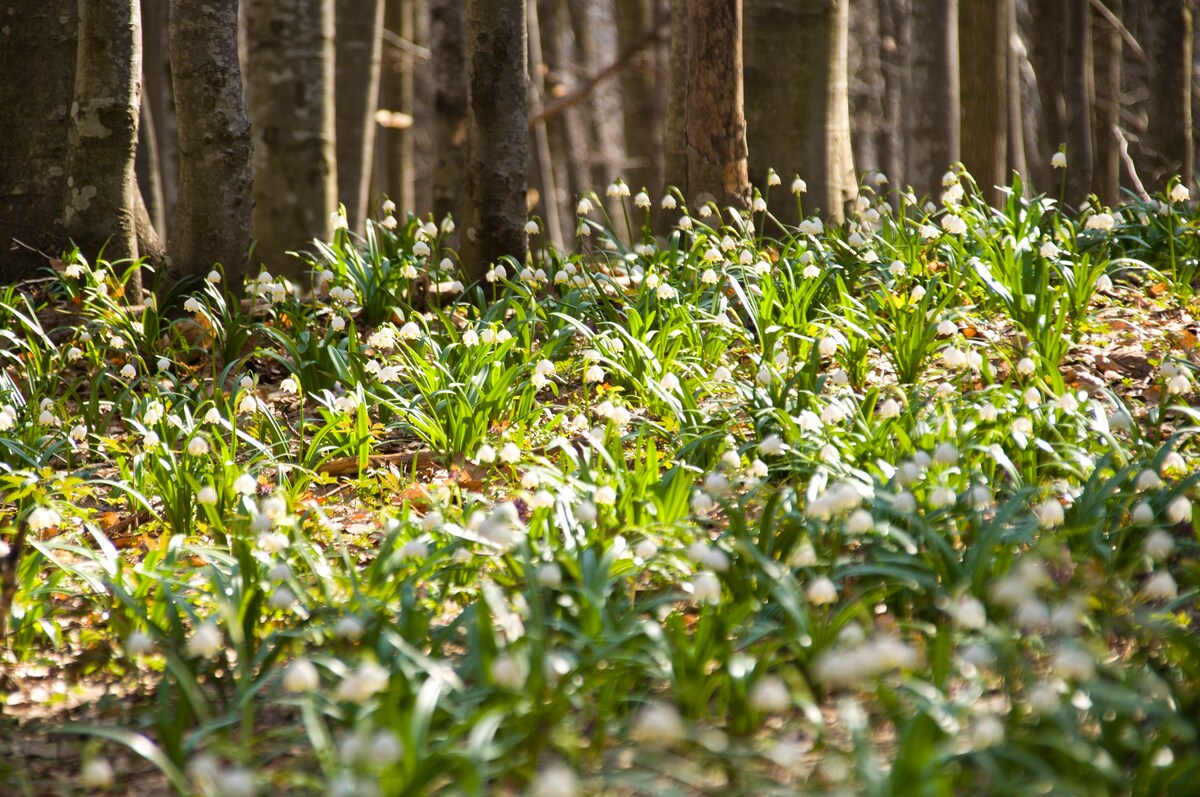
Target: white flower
245, 484
706, 587
207, 495
1179, 510
770, 695
917, 293
1161, 587
942, 497
799, 186
192, 305
594, 373
198, 446
337, 323
968, 612
128, 372
605, 496
928, 232
421, 249
213, 416
1058, 160
584, 207
360, 685
722, 374
760, 205
349, 627
486, 454
709, 277
1050, 513
1143, 514
41, 518
821, 591
1180, 193
771, 446
97, 773
954, 225
510, 671
1049, 250
890, 408
206, 641
642, 200
658, 725
1160, 544
555, 780
510, 454
668, 202
531, 227
301, 676
1100, 221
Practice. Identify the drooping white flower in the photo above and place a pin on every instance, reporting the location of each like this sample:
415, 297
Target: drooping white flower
206, 641
301, 676
1058, 160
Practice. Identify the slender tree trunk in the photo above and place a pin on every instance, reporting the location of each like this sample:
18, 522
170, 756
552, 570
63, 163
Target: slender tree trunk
157, 95
212, 220
551, 201
1047, 33
449, 46
396, 94
149, 167
566, 157
797, 107
716, 122
290, 98
897, 88
1015, 52
38, 65
866, 86
1077, 57
934, 126
983, 33
640, 113
675, 144
1168, 142
359, 43
1106, 39
497, 135
101, 184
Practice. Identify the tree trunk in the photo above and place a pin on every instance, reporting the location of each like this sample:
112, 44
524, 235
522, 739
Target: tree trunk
396, 94
568, 150
983, 33
497, 134
157, 95
1168, 145
102, 139
149, 167
894, 30
290, 55
38, 65
866, 86
675, 144
716, 124
641, 115
550, 200
212, 220
797, 108
1047, 33
1106, 39
934, 125
359, 44
1015, 52
1077, 94
449, 46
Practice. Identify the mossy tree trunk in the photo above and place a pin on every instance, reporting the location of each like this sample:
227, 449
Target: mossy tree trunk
290, 71
100, 205
37, 60
497, 135
212, 219
447, 30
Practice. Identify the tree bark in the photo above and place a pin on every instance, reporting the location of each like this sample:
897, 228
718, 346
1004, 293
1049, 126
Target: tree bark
935, 122
1077, 95
866, 86
797, 107
1168, 146
894, 30
359, 45
1015, 54
983, 33
396, 94
102, 140
38, 65
1047, 32
717, 166
449, 47
212, 220
568, 150
497, 134
641, 114
160, 104
149, 167
290, 66
550, 200
675, 144
1108, 47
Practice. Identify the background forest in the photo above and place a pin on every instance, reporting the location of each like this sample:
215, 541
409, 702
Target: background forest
351, 100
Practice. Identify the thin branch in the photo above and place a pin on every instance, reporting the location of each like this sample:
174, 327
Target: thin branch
1133, 175
649, 37
1113, 20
